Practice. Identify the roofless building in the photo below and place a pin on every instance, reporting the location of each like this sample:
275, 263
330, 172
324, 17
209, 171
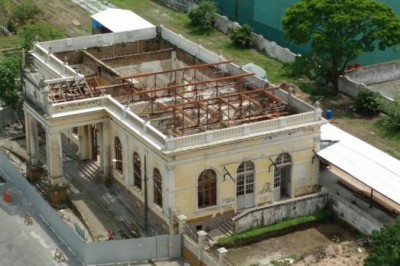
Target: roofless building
171, 124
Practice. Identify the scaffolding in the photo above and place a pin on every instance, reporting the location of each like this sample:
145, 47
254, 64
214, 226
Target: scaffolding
179, 101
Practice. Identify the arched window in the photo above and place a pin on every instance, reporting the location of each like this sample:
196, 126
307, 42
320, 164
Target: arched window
118, 154
206, 189
137, 171
157, 187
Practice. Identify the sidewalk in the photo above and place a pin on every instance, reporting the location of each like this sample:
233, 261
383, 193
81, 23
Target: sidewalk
24, 244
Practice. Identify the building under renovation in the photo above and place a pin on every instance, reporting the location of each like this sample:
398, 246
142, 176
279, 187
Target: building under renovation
174, 126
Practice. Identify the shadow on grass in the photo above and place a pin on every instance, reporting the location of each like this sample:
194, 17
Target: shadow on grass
197, 31
316, 91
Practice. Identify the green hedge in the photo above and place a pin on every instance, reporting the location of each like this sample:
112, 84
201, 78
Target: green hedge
261, 231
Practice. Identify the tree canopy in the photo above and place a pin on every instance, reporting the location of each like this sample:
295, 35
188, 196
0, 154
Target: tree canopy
340, 31
9, 83
387, 247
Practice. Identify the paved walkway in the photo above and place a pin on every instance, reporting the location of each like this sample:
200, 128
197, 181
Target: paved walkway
22, 244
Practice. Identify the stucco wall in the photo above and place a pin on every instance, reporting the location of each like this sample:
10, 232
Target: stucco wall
353, 215
304, 206
359, 80
376, 73
227, 158
279, 212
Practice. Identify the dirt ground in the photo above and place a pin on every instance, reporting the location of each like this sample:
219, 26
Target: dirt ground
61, 14
324, 244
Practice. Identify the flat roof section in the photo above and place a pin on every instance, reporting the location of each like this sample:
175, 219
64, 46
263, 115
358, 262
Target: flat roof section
119, 20
369, 165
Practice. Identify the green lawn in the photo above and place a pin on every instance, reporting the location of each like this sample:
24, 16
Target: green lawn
212, 40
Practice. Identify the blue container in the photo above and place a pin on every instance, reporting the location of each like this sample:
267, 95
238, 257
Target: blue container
328, 114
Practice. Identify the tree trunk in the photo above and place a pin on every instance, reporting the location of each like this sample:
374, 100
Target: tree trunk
335, 82
335, 75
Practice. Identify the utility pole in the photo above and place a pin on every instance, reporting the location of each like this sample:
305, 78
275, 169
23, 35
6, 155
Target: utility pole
146, 208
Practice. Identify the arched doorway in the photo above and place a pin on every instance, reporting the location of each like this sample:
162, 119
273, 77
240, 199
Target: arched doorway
245, 185
283, 177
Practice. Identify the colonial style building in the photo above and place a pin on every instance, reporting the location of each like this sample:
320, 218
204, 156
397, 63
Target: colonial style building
171, 124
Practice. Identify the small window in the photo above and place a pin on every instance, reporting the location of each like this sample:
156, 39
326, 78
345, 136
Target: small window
137, 171
157, 183
118, 155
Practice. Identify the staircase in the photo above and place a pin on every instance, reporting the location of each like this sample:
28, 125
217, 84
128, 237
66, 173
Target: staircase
224, 230
227, 227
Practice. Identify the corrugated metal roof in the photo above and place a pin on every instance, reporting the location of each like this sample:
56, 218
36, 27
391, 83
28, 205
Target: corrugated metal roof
118, 20
373, 167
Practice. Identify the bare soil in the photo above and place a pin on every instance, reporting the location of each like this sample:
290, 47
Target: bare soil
325, 244
60, 13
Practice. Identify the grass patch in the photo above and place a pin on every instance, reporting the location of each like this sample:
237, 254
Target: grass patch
259, 232
9, 42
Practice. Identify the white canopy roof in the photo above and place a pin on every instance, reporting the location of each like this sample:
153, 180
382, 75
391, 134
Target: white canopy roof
363, 161
119, 20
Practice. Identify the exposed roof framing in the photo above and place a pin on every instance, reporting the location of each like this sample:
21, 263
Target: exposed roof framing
173, 70
200, 106
69, 90
168, 90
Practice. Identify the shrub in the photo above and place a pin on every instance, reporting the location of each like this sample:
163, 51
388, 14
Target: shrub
10, 26
40, 31
204, 15
391, 119
241, 36
24, 12
368, 103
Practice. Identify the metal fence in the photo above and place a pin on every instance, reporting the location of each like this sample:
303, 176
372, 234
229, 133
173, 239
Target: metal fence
128, 250
179, 5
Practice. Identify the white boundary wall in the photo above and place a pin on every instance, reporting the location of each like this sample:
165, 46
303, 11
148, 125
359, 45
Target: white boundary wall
352, 83
262, 216
280, 53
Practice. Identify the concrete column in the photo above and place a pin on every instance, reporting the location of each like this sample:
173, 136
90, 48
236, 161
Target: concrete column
34, 169
33, 141
222, 256
54, 158
90, 141
105, 150
201, 242
100, 144
83, 149
182, 221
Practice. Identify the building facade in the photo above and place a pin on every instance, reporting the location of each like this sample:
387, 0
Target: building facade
174, 126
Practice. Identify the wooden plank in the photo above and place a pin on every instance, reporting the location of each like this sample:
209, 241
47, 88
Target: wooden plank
76, 22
